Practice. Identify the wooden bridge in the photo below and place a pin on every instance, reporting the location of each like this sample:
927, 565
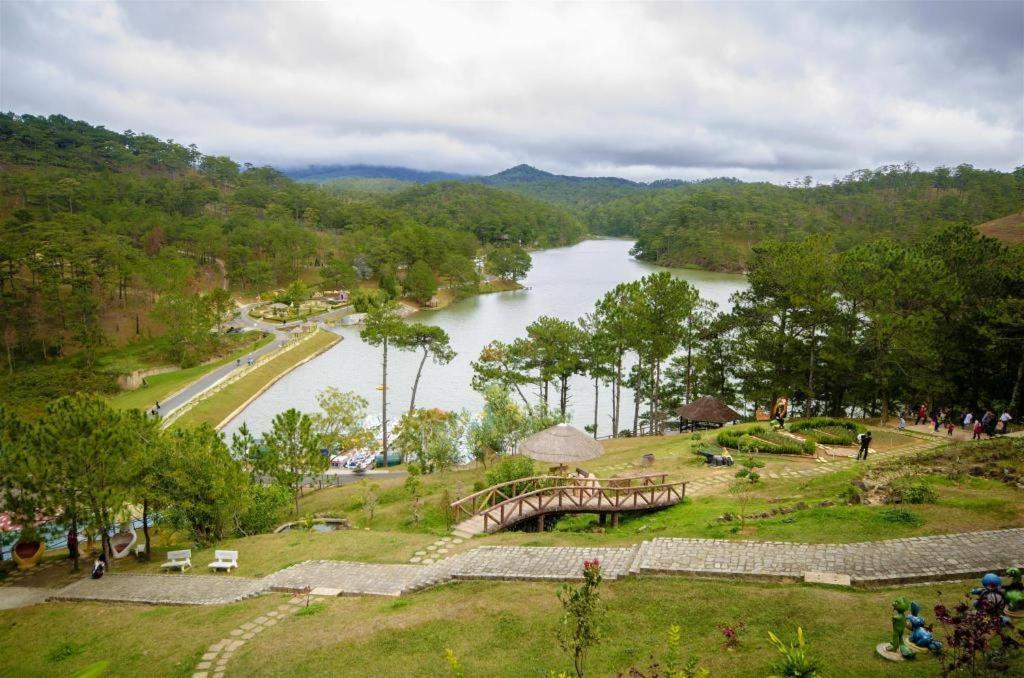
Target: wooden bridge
504, 505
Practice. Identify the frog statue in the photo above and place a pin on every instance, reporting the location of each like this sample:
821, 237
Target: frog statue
1014, 592
920, 636
899, 627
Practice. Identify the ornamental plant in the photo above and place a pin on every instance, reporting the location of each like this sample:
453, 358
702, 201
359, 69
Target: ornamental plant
795, 662
977, 643
581, 616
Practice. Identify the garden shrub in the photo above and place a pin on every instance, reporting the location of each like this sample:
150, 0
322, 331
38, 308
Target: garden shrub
901, 516
268, 505
913, 492
510, 468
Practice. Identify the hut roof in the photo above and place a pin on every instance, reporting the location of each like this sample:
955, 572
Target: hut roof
708, 409
561, 444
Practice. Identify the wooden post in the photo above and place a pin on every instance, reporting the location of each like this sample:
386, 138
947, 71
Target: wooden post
540, 523
602, 518
615, 519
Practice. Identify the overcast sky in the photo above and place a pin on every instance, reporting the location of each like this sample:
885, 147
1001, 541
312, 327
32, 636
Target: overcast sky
645, 91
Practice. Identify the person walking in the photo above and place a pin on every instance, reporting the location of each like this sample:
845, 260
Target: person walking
988, 423
950, 427
968, 420
1004, 420
978, 428
922, 415
903, 422
865, 441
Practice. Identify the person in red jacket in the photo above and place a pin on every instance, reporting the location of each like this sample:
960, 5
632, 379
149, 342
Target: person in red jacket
922, 415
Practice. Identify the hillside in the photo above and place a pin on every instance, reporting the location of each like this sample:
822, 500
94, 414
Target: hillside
110, 238
715, 226
491, 214
325, 173
1008, 229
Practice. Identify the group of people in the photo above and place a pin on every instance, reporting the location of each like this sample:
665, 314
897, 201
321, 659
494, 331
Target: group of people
988, 423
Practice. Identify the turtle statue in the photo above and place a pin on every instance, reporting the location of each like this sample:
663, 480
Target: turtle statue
920, 636
1014, 592
991, 597
897, 649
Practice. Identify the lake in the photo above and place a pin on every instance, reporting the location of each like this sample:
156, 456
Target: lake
564, 282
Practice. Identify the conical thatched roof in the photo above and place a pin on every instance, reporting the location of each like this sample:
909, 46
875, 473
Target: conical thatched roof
561, 444
708, 409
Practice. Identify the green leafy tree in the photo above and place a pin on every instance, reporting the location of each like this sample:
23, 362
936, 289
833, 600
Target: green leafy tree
420, 283
512, 262
384, 328
582, 609
339, 425
294, 447
432, 342
205, 490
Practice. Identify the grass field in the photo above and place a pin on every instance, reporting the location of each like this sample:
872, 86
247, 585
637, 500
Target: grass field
214, 409
1009, 229
159, 386
494, 628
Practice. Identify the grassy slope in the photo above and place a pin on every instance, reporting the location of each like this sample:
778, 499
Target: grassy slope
1009, 229
495, 629
161, 385
214, 409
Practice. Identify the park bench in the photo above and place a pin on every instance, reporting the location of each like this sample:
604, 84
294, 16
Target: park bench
178, 560
225, 560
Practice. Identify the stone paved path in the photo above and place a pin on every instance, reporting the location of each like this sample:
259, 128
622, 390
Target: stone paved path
954, 556
22, 596
163, 589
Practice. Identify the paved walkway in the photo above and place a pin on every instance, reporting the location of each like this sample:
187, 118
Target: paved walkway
897, 561
163, 589
22, 596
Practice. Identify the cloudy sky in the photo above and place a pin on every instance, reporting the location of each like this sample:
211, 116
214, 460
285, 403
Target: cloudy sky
757, 91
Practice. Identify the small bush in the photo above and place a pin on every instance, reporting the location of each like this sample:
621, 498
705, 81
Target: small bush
914, 493
901, 516
509, 469
795, 662
62, 651
310, 610
268, 505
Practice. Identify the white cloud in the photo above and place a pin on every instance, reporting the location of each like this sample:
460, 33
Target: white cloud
759, 91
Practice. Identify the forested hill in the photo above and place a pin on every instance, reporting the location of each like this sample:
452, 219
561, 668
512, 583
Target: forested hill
488, 212
96, 225
716, 226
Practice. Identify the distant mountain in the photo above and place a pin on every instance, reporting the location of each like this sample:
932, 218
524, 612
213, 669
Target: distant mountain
322, 173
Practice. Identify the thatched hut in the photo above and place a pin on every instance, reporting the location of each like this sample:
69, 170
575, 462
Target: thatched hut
561, 444
706, 412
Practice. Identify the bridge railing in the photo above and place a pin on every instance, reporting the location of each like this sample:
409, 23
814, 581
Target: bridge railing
583, 497
473, 504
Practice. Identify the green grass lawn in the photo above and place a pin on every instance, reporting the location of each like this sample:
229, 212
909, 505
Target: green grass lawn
494, 628
159, 386
218, 406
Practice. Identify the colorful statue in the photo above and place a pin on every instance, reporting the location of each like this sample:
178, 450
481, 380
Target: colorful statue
899, 626
1014, 592
919, 634
991, 597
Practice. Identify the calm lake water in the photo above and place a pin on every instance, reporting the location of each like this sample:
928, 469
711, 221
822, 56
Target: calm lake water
564, 282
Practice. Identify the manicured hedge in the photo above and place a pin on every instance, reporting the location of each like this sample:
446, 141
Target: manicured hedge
765, 441
829, 431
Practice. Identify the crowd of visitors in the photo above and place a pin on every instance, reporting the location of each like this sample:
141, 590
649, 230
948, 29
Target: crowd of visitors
988, 423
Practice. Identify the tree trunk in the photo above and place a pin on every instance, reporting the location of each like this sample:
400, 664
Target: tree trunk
617, 395
689, 374
1015, 394
597, 393
809, 402
145, 528
78, 548
383, 411
416, 382
563, 396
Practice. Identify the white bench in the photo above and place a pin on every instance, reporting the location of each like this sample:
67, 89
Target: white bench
178, 560
225, 560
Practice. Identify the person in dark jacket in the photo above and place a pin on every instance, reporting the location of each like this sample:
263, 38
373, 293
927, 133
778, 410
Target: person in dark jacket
865, 441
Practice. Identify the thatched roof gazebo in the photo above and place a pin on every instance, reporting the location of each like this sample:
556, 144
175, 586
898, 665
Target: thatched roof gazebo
706, 412
561, 444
